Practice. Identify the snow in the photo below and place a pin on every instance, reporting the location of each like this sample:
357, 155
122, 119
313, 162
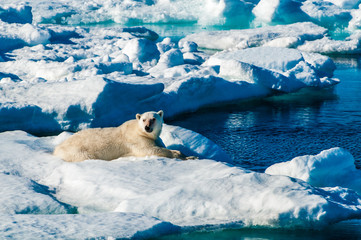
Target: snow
235, 13
132, 192
307, 37
142, 50
79, 12
281, 11
59, 71
281, 69
27, 198
24, 195
92, 226
69, 78
325, 13
329, 46
294, 34
330, 168
355, 23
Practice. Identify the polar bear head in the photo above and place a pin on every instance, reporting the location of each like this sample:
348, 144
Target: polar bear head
151, 123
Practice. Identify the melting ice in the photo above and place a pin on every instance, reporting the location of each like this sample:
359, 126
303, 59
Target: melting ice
58, 73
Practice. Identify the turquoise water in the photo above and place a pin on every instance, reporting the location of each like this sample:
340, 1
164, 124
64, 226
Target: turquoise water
350, 230
257, 134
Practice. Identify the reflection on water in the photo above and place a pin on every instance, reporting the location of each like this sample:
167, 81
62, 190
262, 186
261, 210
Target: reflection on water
344, 230
258, 133
347, 63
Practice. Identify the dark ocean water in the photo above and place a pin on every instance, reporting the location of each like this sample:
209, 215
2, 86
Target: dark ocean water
257, 134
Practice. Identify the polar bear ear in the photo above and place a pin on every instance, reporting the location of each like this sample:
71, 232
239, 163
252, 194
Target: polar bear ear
160, 113
138, 116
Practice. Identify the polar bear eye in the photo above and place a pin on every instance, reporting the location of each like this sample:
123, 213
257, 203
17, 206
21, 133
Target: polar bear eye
143, 120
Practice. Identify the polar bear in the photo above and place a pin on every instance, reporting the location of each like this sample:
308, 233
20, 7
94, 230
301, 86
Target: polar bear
138, 137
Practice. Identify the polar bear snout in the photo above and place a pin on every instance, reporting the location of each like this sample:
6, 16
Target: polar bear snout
148, 129
149, 124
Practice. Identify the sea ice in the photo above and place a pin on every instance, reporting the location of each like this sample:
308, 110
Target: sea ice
355, 23
281, 69
195, 193
68, 78
233, 13
142, 50
329, 46
55, 77
330, 168
326, 13
278, 11
290, 35
79, 226
21, 195
123, 12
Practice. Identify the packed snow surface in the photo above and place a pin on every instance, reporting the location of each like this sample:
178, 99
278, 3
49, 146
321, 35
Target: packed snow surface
80, 226
60, 72
179, 194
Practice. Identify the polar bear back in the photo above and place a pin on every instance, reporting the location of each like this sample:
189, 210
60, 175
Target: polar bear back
101, 143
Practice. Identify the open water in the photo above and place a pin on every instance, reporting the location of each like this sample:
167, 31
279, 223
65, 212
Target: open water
259, 133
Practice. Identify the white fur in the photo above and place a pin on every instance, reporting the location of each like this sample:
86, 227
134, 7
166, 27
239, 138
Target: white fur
129, 139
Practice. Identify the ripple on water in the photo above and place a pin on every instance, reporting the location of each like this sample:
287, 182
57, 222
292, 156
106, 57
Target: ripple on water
257, 134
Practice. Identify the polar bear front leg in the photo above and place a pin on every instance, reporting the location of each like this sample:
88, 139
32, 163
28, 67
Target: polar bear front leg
179, 155
164, 152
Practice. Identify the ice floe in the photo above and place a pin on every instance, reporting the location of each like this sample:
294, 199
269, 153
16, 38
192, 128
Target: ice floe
355, 23
329, 46
24, 196
188, 194
290, 35
58, 72
68, 78
280, 69
330, 168
306, 36
78, 226
235, 13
